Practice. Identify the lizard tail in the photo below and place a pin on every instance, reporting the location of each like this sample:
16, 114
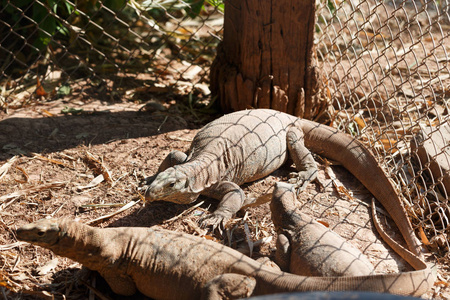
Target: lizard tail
356, 158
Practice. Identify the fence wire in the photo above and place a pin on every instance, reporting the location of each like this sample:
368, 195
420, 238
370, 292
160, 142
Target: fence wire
105, 47
388, 73
387, 66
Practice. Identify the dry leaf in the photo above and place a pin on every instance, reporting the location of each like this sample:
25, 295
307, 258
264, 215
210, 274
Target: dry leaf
53, 161
94, 182
423, 237
46, 113
360, 122
125, 207
98, 167
323, 223
40, 92
48, 267
340, 188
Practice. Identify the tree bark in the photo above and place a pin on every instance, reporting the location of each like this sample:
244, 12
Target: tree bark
266, 58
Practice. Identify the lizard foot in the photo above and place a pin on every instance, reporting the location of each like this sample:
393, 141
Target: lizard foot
302, 179
144, 183
148, 180
214, 220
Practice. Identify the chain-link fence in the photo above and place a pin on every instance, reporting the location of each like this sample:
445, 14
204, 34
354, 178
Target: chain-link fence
388, 66
107, 47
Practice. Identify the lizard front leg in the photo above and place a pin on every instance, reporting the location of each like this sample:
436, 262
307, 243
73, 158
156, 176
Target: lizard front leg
120, 283
228, 286
302, 157
231, 198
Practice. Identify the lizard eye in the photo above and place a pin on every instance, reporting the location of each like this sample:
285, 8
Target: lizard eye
172, 184
41, 233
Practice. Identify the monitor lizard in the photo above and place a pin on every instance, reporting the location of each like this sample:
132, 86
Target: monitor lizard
165, 264
247, 145
306, 247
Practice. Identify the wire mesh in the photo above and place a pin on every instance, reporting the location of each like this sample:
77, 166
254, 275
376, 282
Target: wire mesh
105, 47
388, 75
387, 66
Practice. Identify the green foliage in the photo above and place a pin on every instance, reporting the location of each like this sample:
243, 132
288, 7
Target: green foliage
64, 90
41, 16
114, 5
195, 6
48, 17
191, 8
72, 111
217, 3
331, 6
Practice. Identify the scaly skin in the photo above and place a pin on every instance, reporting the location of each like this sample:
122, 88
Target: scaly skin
305, 247
164, 264
247, 145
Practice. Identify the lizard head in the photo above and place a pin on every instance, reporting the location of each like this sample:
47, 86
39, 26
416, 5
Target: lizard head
45, 232
170, 185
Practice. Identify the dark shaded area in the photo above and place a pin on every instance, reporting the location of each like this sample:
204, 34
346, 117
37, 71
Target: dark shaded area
45, 135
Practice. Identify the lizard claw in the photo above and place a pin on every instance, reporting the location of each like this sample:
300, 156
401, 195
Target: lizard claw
301, 179
213, 221
146, 181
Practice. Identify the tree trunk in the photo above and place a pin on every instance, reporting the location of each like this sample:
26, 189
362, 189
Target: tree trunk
266, 58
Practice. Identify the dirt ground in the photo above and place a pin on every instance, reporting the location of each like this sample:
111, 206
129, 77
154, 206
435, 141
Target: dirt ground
55, 157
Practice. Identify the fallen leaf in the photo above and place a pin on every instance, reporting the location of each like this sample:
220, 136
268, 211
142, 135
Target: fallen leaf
423, 237
98, 166
53, 161
96, 181
360, 122
40, 91
48, 267
46, 113
323, 223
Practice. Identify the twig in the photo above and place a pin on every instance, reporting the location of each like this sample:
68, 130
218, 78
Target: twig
125, 207
58, 209
102, 205
53, 161
187, 211
12, 246
38, 188
4, 169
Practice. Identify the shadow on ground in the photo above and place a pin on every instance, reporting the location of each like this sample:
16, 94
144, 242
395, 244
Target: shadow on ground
51, 134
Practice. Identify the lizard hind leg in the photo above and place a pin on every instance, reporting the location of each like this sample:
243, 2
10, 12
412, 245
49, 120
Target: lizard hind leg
228, 286
283, 252
302, 157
